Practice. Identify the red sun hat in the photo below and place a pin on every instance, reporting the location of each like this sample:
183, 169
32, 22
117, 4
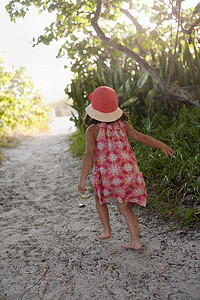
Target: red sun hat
104, 106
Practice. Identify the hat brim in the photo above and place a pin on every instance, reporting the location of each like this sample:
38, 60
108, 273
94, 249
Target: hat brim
104, 117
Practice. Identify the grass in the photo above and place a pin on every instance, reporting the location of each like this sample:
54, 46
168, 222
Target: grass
78, 142
173, 184
8, 141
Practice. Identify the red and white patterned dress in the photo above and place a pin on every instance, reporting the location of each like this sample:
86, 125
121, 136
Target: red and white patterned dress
116, 174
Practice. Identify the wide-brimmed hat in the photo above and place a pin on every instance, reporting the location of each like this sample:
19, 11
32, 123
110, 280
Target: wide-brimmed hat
104, 106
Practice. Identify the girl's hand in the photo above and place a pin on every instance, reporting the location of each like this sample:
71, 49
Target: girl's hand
81, 187
167, 150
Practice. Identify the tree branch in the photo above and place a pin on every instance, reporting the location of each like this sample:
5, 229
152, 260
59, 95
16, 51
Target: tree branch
189, 31
161, 21
95, 25
167, 88
139, 28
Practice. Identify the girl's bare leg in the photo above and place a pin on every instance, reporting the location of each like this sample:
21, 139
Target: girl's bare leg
132, 223
102, 210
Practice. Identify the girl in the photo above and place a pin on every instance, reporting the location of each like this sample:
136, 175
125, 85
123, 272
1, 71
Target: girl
116, 174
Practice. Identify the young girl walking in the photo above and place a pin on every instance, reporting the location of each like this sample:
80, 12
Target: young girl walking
116, 174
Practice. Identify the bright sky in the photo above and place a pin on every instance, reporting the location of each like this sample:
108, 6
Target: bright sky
47, 72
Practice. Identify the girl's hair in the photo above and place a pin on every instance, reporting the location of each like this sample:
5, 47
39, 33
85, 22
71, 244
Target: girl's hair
90, 121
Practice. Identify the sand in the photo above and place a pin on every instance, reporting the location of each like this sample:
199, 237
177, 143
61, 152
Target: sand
49, 243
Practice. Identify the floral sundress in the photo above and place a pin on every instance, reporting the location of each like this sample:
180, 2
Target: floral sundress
116, 174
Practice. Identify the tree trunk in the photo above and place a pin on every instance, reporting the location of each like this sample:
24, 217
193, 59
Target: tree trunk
167, 88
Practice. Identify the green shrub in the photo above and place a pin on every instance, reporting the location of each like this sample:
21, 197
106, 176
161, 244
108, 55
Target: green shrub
173, 183
78, 142
21, 106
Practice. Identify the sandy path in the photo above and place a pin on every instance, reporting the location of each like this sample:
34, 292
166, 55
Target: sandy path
42, 225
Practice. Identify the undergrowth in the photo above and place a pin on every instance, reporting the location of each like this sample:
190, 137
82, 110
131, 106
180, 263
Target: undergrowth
78, 142
5, 141
173, 184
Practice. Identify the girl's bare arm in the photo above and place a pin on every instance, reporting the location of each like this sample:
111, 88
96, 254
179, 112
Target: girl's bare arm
88, 158
147, 140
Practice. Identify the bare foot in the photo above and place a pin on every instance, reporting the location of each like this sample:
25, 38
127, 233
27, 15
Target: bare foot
105, 235
133, 245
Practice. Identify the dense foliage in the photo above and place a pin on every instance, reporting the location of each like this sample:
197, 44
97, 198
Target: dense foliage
21, 107
96, 30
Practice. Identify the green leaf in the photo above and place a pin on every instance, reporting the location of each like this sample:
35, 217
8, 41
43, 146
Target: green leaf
143, 79
129, 102
150, 97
